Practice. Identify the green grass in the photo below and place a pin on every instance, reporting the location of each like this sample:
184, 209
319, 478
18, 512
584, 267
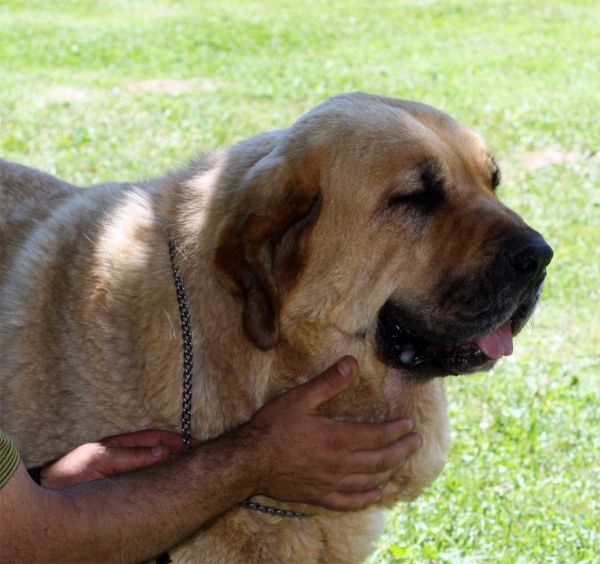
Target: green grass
523, 480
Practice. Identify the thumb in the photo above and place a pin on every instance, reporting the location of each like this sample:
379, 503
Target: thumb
330, 383
119, 460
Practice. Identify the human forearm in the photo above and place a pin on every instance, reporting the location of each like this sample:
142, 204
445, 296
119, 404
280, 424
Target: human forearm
288, 451
108, 520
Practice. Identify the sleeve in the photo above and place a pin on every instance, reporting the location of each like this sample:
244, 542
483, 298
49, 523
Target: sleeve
9, 459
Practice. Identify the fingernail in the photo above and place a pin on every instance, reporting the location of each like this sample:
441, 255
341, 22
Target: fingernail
158, 451
344, 368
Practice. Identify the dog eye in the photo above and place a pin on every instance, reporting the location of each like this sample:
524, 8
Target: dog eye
418, 198
425, 200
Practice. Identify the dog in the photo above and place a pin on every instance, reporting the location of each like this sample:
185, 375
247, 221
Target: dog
370, 227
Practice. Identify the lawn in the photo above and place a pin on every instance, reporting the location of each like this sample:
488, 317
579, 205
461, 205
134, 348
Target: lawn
93, 91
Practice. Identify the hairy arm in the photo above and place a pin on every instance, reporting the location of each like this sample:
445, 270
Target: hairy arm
131, 517
289, 451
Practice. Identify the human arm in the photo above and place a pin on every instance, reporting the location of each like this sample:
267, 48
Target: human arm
110, 457
133, 517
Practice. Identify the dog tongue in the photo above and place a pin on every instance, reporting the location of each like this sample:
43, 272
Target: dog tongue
497, 344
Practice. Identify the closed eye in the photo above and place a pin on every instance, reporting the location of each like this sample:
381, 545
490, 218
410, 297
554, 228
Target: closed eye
428, 198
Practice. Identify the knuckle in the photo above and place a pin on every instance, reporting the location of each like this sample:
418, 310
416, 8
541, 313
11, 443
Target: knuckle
334, 468
337, 442
367, 483
384, 437
329, 377
383, 463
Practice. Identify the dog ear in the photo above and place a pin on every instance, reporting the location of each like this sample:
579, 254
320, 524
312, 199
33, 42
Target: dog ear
261, 253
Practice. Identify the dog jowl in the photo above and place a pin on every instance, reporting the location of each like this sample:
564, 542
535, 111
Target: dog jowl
493, 271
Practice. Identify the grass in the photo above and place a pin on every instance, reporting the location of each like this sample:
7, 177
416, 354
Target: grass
79, 97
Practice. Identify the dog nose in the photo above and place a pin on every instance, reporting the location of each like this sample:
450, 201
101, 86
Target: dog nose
529, 256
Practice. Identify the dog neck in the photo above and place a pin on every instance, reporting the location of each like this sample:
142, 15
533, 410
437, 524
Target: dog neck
223, 394
232, 377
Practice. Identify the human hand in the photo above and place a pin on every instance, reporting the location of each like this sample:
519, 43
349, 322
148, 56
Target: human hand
303, 455
111, 456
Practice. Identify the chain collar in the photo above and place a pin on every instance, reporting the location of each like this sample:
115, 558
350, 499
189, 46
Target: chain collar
188, 353
186, 404
255, 506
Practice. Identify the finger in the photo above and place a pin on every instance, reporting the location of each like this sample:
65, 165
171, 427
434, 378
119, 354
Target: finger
351, 501
330, 383
147, 438
393, 456
119, 460
373, 436
359, 483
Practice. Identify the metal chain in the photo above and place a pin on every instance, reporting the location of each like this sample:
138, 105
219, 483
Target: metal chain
188, 354
255, 506
186, 404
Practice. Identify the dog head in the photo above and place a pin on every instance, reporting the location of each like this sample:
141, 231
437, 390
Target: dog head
374, 222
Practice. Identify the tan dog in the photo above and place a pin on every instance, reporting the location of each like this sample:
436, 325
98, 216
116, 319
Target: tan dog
370, 227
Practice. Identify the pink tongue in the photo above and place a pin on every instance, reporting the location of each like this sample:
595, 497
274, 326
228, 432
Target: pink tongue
499, 343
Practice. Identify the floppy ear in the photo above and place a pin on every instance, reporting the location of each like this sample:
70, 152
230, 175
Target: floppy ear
262, 251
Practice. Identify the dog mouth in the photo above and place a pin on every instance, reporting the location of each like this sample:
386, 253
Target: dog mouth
403, 348
411, 352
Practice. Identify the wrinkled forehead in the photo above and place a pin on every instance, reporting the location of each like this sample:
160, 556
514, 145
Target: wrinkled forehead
380, 135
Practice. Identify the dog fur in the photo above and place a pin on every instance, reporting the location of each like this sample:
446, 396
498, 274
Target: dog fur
288, 252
